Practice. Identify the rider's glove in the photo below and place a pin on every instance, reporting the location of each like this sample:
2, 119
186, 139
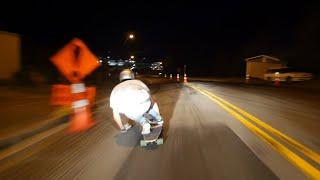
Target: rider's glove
126, 128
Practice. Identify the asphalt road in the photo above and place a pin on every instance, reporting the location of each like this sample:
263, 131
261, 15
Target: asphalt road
202, 140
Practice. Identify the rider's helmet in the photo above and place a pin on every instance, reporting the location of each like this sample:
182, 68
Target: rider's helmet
126, 74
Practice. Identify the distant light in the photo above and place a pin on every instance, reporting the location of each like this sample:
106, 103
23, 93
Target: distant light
112, 63
276, 73
108, 57
100, 61
160, 73
131, 36
132, 57
121, 63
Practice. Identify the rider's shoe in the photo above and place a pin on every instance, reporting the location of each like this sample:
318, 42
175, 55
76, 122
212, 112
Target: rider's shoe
160, 122
145, 128
154, 122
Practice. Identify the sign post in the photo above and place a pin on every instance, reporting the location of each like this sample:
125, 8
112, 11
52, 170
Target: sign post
75, 61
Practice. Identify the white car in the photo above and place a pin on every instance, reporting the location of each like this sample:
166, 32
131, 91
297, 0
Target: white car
287, 74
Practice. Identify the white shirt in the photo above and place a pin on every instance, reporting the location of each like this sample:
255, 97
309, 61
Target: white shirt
132, 98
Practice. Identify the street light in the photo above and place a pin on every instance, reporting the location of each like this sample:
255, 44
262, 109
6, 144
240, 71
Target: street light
131, 36
131, 57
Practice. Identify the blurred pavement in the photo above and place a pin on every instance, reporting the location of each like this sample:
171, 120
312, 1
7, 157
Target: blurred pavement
24, 110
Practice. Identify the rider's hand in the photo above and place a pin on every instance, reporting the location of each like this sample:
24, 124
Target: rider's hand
123, 130
126, 127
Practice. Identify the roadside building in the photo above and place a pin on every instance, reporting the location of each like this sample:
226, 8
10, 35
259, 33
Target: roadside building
9, 55
257, 66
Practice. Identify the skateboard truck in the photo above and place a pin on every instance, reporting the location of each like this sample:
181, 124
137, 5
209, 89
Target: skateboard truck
144, 143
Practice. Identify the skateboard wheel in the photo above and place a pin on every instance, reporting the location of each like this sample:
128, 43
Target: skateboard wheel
159, 141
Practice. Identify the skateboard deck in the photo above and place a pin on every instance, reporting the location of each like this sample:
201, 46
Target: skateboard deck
154, 136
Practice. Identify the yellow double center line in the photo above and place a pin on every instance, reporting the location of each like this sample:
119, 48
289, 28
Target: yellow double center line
246, 119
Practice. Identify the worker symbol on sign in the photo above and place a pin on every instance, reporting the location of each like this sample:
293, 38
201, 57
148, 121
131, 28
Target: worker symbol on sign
76, 55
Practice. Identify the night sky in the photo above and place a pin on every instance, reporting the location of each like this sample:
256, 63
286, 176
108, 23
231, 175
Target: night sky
211, 38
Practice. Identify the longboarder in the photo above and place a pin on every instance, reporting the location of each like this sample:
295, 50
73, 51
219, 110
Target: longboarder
132, 98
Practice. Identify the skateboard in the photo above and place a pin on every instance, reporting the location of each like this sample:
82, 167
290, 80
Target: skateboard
155, 137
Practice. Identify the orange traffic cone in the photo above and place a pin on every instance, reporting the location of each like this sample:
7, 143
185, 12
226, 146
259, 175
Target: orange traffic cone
185, 79
277, 82
247, 78
81, 120
82, 117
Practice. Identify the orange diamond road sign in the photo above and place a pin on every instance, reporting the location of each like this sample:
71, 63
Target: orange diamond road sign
75, 60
